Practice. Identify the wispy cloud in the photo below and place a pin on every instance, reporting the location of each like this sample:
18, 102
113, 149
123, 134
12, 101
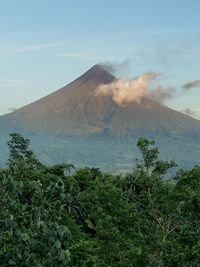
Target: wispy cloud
12, 82
191, 85
34, 47
172, 31
81, 56
10, 49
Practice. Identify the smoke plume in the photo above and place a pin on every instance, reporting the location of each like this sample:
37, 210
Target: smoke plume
119, 68
191, 85
161, 94
124, 92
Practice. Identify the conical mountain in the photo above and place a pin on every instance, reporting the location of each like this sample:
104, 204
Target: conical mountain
68, 110
76, 109
76, 125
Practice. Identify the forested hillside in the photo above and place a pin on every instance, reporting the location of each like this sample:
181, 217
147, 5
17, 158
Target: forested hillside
62, 216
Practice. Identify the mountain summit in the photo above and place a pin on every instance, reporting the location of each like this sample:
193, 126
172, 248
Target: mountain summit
98, 74
77, 109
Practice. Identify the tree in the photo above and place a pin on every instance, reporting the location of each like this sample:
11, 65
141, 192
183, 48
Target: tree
87, 218
150, 158
148, 151
20, 152
34, 211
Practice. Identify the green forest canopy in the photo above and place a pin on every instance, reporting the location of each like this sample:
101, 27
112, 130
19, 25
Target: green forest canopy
61, 216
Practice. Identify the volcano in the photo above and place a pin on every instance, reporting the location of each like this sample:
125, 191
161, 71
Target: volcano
94, 127
76, 109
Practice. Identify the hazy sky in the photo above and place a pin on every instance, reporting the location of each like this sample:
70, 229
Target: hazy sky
45, 44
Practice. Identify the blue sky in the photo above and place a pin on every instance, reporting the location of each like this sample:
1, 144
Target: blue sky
45, 44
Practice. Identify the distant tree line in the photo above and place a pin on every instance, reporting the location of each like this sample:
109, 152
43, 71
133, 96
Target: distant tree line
61, 216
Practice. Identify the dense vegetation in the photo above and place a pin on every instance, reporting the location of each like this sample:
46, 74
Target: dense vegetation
60, 216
